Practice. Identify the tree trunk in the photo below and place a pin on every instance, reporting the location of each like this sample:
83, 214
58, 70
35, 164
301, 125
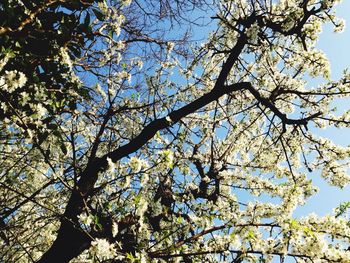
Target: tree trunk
70, 243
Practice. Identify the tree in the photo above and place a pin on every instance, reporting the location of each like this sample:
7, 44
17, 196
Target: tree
123, 140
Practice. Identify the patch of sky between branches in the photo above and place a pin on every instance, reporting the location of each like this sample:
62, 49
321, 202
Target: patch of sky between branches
336, 48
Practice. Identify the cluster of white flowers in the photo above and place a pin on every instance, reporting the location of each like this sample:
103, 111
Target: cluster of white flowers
166, 158
65, 58
85, 219
122, 75
315, 62
114, 229
41, 110
12, 80
102, 5
252, 32
136, 164
103, 249
142, 206
336, 173
170, 46
329, 3
339, 26
116, 23
4, 60
126, 2
233, 163
309, 237
313, 29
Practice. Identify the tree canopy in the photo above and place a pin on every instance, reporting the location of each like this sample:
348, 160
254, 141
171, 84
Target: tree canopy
168, 131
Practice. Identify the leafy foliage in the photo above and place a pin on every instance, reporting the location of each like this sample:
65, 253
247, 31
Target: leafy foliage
41, 39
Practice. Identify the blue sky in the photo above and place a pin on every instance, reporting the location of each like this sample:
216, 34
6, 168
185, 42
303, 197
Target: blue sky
337, 49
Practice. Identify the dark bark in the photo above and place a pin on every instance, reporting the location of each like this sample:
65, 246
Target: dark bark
70, 242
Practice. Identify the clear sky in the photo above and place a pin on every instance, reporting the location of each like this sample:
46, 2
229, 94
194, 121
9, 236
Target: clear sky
337, 49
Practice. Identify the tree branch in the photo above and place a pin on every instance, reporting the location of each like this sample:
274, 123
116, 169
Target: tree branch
63, 250
283, 117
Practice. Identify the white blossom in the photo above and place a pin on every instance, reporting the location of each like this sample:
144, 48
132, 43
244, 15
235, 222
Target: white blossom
103, 249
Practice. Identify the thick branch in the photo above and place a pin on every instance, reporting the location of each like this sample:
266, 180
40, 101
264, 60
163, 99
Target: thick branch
29, 19
90, 174
58, 250
283, 117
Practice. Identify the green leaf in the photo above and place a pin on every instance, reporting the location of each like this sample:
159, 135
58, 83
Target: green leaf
233, 234
72, 105
130, 256
87, 19
137, 198
250, 235
308, 231
171, 165
341, 209
97, 223
42, 136
99, 15
110, 33
63, 148
294, 224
